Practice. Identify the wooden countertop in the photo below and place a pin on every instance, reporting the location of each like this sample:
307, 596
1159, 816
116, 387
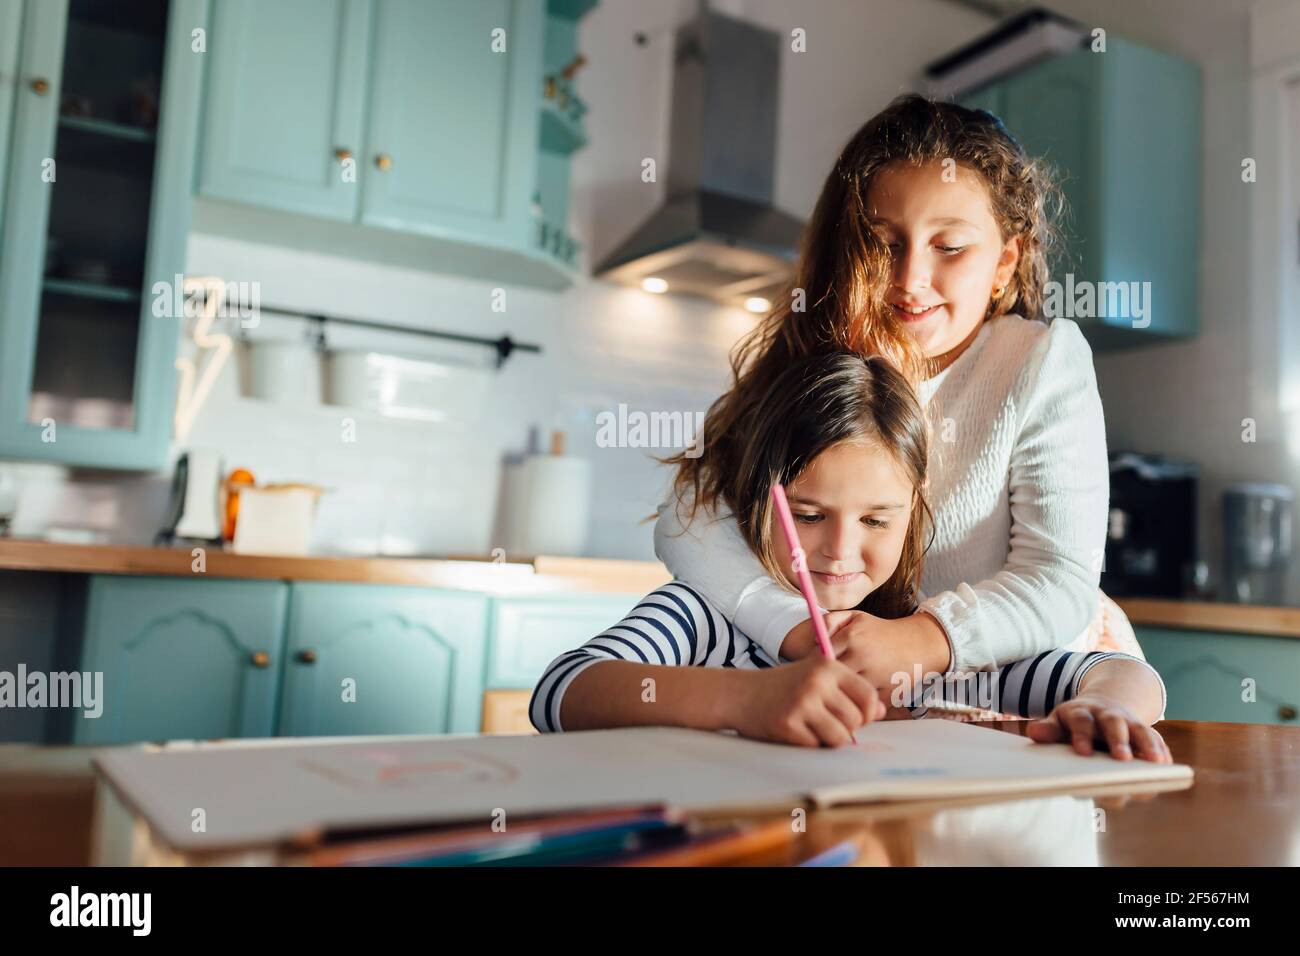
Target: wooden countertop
1213, 616
537, 575
525, 575
1242, 809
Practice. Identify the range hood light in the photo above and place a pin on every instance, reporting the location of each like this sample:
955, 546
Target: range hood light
654, 284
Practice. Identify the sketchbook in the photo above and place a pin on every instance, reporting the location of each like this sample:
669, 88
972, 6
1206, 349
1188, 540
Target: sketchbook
263, 792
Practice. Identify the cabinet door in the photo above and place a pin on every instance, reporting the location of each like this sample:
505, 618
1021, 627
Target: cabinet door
529, 633
1052, 109
96, 218
1151, 208
11, 18
365, 659
285, 89
1238, 678
182, 658
453, 125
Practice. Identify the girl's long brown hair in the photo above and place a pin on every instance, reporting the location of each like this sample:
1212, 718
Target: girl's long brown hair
839, 299
815, 404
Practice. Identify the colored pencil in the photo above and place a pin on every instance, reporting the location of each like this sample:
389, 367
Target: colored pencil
786, 520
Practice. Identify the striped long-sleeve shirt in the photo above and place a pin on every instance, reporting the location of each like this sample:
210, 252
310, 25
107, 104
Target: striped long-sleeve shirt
675, 625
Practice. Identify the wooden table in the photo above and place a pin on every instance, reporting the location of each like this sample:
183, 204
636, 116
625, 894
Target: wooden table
1242, 810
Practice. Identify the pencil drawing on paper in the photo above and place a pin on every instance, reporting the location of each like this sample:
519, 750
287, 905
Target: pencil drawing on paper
391, 769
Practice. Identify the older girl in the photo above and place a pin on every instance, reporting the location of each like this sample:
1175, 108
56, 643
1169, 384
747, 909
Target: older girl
929, 245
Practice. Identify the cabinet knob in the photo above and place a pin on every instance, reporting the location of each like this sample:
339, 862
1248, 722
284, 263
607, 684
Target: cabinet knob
261, 659
1286, 712
384, 162
40, 86
342, 155
306, 657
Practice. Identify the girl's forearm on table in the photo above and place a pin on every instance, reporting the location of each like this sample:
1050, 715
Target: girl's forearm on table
615, 694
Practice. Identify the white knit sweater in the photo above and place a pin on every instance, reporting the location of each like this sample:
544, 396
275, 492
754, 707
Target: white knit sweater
1019, 485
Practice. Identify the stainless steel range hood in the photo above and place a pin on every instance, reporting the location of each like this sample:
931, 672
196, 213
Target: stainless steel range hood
717, 234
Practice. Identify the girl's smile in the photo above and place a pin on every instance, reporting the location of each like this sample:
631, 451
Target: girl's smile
910, 313
948, 253
836, 578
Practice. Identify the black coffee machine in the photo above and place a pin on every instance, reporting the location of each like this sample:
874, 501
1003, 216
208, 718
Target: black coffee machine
1151, 547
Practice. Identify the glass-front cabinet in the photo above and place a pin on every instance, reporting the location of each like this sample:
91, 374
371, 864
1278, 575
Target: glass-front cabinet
104, 104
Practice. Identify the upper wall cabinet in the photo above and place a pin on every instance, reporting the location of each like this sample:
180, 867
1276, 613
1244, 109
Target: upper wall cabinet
1122, 128
453, 118
96, 214
415, 122
284, 103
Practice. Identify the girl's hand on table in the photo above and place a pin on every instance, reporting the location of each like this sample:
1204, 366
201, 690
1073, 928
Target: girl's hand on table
809, 703
1086, 720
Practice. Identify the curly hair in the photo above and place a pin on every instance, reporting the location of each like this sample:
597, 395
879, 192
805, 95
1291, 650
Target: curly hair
839, 298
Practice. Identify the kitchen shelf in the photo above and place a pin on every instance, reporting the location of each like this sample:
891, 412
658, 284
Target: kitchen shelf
103, 127
90, 290
105, 146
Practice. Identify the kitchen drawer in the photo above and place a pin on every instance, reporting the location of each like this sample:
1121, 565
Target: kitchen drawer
529, 633
1205, 674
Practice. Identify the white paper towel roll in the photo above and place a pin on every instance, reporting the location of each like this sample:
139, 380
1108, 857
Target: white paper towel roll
552, 506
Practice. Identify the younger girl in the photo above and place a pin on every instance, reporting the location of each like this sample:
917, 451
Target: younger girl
848, 439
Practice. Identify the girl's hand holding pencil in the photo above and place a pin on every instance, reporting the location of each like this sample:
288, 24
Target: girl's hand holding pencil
854, 646
815, 701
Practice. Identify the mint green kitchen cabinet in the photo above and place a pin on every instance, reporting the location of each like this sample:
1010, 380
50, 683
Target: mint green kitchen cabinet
201, 658
1123, 130
455, 114
370, 659
528, 633
1044, 108
1214, 676
284, 104
453, 122
182, 658
96, 216
986, 98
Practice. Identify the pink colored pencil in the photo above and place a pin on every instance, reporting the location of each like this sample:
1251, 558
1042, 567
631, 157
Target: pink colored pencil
801, 571
801, 568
